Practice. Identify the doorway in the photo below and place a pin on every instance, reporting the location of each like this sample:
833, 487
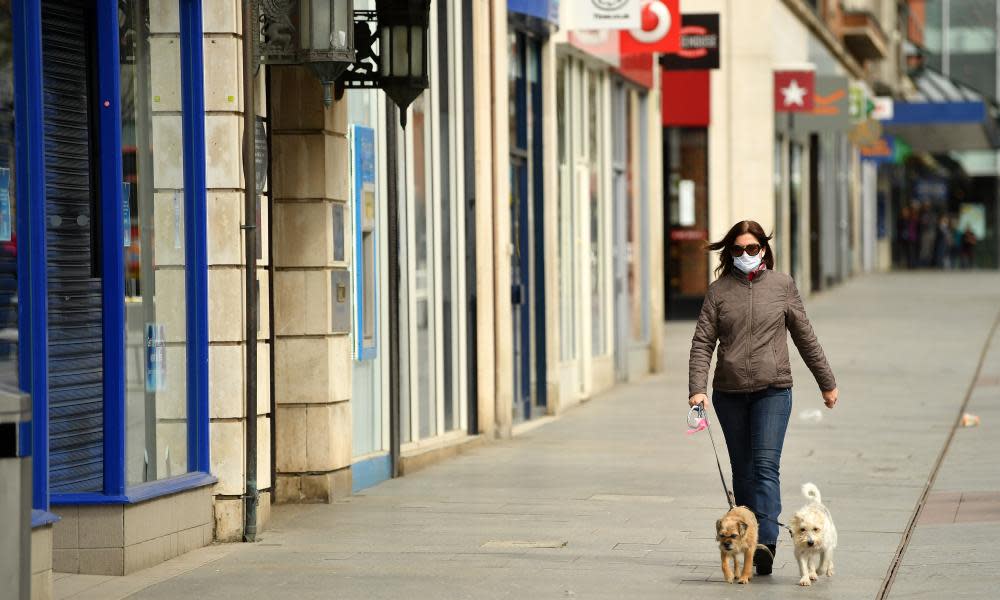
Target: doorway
685, 165
526, 221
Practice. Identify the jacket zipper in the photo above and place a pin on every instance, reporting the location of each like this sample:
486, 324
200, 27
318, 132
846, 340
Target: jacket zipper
750, 340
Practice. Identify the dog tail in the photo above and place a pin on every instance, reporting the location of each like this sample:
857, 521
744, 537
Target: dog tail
809, 490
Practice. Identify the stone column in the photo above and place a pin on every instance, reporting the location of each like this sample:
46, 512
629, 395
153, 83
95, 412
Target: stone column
502, 247
485, 344
312, 256
226, 301
549, 162
654, 229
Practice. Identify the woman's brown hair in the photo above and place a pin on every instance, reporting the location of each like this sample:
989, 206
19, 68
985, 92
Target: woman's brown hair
722, 246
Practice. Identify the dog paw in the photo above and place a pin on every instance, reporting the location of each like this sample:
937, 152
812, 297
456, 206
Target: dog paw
805, 581
743, 580
730, 580
813, 576
829, 572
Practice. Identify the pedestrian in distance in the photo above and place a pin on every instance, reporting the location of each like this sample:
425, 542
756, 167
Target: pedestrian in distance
913, 235
942, 244
928, 231
969, 241
903, 238
748, 312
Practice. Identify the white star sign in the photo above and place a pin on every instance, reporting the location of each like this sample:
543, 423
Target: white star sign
794, 94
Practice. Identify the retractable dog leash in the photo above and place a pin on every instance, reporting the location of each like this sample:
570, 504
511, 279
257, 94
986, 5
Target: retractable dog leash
697, 420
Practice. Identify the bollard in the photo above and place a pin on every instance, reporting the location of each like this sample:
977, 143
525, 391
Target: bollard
15, 494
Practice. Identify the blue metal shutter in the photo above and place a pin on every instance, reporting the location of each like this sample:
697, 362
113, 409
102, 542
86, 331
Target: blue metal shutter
76, 429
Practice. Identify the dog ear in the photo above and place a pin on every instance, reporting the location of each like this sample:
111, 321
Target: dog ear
743, 528
718, 526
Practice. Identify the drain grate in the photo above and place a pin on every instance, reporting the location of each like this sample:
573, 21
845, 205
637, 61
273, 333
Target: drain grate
525, 544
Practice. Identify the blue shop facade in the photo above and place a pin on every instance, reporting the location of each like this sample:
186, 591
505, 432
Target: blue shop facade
103, 247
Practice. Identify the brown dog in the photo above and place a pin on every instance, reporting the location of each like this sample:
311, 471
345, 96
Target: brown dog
736, 532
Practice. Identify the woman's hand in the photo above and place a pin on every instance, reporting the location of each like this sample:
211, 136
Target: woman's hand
830, 398
698, 399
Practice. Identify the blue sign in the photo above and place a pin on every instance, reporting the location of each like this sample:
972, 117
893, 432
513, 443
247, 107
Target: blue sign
882, 152
547, 10
6, 224
126, 214
363, 194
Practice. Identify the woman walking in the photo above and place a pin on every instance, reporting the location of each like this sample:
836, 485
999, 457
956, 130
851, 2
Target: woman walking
748, 310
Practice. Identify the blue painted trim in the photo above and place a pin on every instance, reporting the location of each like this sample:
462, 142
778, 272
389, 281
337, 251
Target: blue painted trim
911, 113
195, 232
139, 493
360, 135
109, 124
30, 182
371, 471
547, 10
40, 518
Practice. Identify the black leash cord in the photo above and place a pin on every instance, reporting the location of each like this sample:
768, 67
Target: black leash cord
730, 497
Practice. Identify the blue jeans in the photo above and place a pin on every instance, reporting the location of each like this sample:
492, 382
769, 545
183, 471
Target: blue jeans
754, 425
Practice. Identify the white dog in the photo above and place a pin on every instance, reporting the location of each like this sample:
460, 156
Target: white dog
815, 537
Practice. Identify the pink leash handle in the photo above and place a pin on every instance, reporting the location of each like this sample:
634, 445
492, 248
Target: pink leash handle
701, 425
697, 419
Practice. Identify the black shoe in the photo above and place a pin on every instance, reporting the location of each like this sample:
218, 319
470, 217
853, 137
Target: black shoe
764, 559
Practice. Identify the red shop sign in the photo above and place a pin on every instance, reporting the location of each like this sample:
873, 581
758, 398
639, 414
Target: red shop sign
660, 31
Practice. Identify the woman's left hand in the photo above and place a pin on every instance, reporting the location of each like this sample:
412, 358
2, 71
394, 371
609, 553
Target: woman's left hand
830, 398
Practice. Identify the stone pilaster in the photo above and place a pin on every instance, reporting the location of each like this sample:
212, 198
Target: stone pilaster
226, 280
312, 255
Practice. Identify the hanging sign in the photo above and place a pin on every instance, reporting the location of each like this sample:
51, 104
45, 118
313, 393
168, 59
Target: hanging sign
699, 44
6, 218
860, 102
659, 31
604, 14
793, 91
865, 133
156, 358
831, 107
883, 108
883, 151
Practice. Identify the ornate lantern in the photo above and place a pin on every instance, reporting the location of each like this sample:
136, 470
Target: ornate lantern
392, 51
316, 33
402, 62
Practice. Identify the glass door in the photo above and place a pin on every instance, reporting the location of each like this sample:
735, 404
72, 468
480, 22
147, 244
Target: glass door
686, 163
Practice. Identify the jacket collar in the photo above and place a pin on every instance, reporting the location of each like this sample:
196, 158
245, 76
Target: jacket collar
743, 278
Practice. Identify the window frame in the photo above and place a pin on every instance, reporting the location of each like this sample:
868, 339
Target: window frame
32, 280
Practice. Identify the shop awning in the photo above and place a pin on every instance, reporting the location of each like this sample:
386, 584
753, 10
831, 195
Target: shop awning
944, 115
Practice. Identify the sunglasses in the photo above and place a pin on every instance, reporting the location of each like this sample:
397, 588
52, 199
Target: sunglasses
751, 249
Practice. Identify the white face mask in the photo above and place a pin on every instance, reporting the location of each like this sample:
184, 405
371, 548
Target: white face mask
747, 263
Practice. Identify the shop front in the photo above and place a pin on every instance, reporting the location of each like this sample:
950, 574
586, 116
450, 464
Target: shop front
103, 206
631, 168
433, 330
583, 95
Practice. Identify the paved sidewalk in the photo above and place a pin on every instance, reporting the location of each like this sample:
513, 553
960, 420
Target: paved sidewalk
612, 500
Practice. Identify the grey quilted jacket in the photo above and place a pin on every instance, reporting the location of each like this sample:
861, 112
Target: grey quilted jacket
749, 320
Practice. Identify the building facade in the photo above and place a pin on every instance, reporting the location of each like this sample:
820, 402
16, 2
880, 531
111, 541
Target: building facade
419, 290
733, 151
